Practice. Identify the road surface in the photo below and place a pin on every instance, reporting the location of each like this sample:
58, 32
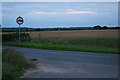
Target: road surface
71, 64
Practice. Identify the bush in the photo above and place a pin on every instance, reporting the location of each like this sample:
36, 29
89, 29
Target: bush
14, 64
15, 37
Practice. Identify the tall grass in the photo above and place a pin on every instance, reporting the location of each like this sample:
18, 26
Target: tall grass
65, 47
0, 64
89, 44
87, 41
14, 64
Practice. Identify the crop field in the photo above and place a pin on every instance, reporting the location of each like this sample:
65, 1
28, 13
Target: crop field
74, 33
101, 41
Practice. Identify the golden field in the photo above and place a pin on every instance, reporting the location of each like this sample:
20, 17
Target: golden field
74, 33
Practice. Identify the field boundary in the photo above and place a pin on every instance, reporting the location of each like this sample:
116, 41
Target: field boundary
83, 48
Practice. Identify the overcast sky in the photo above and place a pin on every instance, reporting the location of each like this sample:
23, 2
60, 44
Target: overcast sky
59, 0
58, 14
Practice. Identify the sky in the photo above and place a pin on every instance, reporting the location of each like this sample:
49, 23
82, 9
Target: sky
60, 14
60, 0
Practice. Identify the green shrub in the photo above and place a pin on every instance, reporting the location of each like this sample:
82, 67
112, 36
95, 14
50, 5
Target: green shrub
14, 64
15, 37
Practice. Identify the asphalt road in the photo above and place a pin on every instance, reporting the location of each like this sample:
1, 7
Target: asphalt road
71, 64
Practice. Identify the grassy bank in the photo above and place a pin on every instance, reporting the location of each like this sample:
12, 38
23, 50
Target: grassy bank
87, 44
85, 48
78, 41
13, 64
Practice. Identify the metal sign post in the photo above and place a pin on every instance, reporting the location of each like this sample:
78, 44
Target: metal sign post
19, 21
19, 32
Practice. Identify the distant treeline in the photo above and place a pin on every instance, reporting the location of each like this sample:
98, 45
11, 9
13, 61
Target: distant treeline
24, 29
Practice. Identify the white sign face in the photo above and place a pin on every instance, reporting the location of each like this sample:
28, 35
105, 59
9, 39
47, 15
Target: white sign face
19, 20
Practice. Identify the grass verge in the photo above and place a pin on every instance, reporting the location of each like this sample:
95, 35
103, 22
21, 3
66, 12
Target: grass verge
13, 65
85, 48
89, 41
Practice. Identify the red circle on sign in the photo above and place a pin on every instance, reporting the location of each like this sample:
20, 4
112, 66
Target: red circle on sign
19, 20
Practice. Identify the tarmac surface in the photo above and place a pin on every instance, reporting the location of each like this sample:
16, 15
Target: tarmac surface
70, 64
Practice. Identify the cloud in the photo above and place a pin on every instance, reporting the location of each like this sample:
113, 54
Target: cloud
41, 12
71, 9
72, 12
6, 8
80, 12
60, 1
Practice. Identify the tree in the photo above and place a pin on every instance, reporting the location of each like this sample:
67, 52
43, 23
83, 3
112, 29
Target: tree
97, 27
38, 29
117, 27
105, 27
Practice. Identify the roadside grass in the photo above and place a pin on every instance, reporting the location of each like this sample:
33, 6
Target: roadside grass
13, 64
0, 64
86, 48
87, 44
89, 41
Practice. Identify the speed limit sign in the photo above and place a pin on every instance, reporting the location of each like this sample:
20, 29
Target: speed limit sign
19, 20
